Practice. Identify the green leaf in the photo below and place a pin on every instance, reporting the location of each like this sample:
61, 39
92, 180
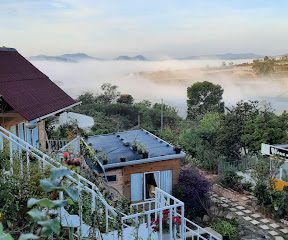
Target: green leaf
3, 235
37, 215
50, 226
28, 236
59, 173
45, 202
48, 186
73, 193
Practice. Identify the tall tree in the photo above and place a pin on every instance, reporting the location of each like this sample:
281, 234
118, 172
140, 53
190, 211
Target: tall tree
266, 128
110, 93
204, 97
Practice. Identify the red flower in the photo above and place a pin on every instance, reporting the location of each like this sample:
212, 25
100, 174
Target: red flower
166, 212
66, 155
176, 220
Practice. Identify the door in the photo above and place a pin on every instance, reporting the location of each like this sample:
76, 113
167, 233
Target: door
166, 181
136, 186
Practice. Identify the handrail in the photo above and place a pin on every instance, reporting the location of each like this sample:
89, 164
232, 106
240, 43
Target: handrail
69, 143
55, 163
198, 229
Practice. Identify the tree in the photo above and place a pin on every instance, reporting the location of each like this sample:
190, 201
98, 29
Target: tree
230, 142
265, 66
109, 95
204, 97
266, 128
86, 98
126, 99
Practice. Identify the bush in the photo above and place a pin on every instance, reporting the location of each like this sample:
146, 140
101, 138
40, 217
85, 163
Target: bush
280, 204
247, 186
192, 189
226, 228
262, 193
230, 179
14, 194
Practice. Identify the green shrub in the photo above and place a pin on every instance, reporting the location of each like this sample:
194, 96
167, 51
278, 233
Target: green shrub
14, 194
247, 186
262, 193
230, 179
226, 228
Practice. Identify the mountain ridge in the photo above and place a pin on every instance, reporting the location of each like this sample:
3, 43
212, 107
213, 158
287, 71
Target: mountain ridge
78, 57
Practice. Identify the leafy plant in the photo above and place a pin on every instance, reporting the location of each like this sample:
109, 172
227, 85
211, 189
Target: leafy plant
192, 189
226, 228
3, 235
230, 179
42, 209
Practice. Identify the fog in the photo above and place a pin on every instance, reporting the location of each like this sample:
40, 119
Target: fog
167, 79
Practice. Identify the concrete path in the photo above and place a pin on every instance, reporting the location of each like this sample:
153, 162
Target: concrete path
271, 228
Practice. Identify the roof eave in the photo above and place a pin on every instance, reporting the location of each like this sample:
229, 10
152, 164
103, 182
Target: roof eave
55, 112
147, 160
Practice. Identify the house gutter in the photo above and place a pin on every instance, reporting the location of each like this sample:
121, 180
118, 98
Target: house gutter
147, 160
53, 113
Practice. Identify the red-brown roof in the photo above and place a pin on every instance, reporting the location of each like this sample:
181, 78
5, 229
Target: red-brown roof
27, 90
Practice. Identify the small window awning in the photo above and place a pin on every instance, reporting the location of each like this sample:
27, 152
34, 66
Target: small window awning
27, 90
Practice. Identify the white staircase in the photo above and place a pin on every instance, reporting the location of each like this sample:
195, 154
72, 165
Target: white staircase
139, 223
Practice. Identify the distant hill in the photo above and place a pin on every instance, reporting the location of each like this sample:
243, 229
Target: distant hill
128, 58
225, 56
72, 57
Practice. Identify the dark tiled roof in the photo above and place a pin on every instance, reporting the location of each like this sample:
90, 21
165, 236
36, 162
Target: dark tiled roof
113, 145
30, 92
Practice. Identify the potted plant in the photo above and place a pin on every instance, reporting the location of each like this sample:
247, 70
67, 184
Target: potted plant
104, 158
145, 154
177, 149
134, 146
123, 159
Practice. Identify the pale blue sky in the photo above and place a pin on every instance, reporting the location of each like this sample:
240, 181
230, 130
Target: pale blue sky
162, 28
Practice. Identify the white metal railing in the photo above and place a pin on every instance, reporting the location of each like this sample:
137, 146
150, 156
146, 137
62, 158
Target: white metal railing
171, 208
162, 206
17, 146
159, 213
54, 145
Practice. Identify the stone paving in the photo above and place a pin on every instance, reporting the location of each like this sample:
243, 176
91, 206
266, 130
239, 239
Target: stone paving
272, 229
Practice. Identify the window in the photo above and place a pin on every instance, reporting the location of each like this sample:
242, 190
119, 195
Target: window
112, 178
143, 184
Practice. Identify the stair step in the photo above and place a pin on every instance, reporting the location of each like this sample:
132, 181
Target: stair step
130, 233
195, 233
85, 230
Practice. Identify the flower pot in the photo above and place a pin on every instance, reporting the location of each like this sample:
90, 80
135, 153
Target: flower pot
145, 155
105, 162
123, 159
177, 150
134, 148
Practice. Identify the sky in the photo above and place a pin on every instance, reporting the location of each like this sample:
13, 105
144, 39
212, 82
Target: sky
155, 28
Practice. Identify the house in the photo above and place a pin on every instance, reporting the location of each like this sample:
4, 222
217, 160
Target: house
278, 152
27, 98
136, 161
